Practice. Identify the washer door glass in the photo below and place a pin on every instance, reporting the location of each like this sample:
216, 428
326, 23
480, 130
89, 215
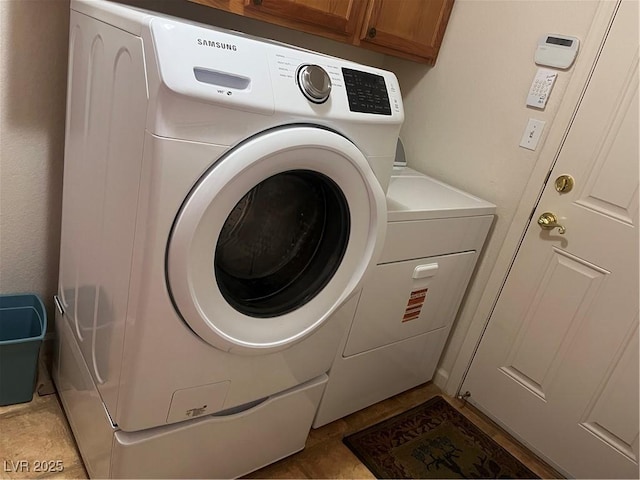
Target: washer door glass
273, 238
282, 243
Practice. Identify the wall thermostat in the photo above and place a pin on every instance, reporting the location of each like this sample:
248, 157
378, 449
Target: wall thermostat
557, 51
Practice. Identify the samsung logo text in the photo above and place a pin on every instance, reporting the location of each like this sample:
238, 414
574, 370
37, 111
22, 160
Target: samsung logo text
220, 45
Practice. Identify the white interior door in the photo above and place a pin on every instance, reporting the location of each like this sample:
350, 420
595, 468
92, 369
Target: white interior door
558, 363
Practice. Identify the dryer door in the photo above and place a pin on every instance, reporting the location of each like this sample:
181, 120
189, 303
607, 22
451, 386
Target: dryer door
273, 238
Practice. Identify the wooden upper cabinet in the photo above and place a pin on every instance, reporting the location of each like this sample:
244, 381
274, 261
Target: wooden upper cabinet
336, 19
340, 17
411, 29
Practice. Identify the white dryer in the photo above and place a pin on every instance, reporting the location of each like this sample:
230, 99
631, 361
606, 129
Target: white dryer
403, 315
223, 197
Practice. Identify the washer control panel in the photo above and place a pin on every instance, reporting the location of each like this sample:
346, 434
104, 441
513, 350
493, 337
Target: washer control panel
304, 83
367, 92
314, 82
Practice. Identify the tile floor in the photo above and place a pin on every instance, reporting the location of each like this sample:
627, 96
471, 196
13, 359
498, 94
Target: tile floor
33, 434
38, 431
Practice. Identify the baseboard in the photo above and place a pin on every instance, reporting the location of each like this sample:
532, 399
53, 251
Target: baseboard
440, 379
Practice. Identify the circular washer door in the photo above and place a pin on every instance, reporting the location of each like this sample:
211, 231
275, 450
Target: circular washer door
273, 238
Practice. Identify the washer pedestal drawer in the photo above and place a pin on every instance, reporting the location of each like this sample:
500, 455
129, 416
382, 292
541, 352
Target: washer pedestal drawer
213, 446
82, 403
221, 447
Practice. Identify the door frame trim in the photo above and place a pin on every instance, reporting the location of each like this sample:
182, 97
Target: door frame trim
451, 382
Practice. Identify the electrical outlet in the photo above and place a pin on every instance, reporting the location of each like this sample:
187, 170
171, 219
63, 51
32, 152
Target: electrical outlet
532, 133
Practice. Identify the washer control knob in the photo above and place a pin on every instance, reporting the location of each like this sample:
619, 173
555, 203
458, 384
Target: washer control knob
314, 83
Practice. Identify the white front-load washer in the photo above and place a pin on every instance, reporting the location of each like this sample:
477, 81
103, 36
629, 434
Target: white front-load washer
223, 197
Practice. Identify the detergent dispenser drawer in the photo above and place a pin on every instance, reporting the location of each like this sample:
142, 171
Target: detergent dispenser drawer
404, 299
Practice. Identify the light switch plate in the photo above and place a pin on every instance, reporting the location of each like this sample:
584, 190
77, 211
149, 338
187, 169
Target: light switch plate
532, 133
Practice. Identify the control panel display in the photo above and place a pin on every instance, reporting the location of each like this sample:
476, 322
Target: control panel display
565, 42
367, 92
557, 51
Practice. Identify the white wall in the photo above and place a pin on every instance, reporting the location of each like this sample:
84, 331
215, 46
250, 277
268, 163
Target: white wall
33, 63
465, 116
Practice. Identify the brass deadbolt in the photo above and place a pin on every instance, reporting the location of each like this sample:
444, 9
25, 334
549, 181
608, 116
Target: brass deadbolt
564, 183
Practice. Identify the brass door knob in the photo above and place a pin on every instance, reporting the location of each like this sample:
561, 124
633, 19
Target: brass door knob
548, 221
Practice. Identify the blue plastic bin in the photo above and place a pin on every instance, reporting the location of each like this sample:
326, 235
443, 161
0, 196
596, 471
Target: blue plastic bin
23, 323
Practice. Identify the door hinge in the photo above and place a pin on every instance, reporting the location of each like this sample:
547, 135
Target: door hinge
463, 397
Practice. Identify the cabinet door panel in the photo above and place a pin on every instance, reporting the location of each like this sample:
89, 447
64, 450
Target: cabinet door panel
412, 27
336, 19
338, 16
